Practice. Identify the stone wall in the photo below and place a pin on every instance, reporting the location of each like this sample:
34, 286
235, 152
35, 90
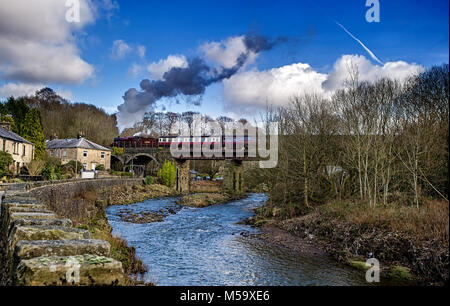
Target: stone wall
37, 247
234, 177
183, 177
205, 186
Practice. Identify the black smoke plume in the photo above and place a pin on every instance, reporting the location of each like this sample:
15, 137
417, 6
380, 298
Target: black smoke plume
189, 81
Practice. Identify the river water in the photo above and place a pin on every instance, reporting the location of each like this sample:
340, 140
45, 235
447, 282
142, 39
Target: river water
206, 246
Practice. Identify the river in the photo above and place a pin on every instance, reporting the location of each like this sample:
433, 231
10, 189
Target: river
206, 247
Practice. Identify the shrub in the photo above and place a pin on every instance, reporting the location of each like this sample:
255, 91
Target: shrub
52, 169
117, 151
35, 167
149, 180
5, 161
75, 165
129, 174
100, 167
167, 174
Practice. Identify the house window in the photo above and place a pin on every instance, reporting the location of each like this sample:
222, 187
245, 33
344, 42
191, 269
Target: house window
4, 144
51, 153
84, 166
85, 153
102, 155
65, 153
24, 150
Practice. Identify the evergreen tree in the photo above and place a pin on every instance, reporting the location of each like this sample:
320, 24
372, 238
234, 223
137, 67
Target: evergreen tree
18, 108
13, 126
33, 132
5, 161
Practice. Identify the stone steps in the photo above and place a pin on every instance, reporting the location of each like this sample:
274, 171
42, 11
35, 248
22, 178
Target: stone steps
42, 222
32, 249
45, 233
20, 199
81, 270
42, 249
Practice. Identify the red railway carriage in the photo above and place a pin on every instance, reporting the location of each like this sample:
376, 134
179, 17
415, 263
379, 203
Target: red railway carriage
135, 142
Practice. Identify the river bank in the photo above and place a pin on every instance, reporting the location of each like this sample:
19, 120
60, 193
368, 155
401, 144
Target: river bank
411, 245
206, 199
210, 246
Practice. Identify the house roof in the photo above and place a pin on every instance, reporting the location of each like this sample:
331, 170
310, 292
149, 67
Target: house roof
12, 136
74, 143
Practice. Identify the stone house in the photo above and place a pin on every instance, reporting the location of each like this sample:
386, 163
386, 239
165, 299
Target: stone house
88, 153
21, 150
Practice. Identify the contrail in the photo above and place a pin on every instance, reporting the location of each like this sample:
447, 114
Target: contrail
367, 49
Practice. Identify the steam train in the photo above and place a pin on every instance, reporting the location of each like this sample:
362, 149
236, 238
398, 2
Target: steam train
166, 141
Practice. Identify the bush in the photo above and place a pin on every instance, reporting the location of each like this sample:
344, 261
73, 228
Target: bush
99, 167
117, 151
75, 165
5, 161
35, 167
149, 180
167, 174
129, 174
52, 169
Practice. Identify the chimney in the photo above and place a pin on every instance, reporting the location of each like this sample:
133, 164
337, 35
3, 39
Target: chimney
5, 125
53, 137
80, 135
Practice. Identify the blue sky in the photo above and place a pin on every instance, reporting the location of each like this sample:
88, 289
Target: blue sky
410, 31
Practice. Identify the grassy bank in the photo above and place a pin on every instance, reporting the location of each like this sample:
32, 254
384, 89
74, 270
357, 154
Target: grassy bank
132, 266
134, 194
403, 238
207, 199
204, 199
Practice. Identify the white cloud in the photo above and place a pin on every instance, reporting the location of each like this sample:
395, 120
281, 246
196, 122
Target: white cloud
22, 89
17, 90
135, 70
275, 86
398, 70
157, 69
141, 51
120, 49
252, 89
63, 93
38, 45
110, 7
227, 51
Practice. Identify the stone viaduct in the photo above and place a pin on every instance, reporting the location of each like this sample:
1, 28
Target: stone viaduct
138, 159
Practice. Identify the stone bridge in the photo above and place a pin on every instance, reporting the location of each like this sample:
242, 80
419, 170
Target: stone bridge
138, 160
